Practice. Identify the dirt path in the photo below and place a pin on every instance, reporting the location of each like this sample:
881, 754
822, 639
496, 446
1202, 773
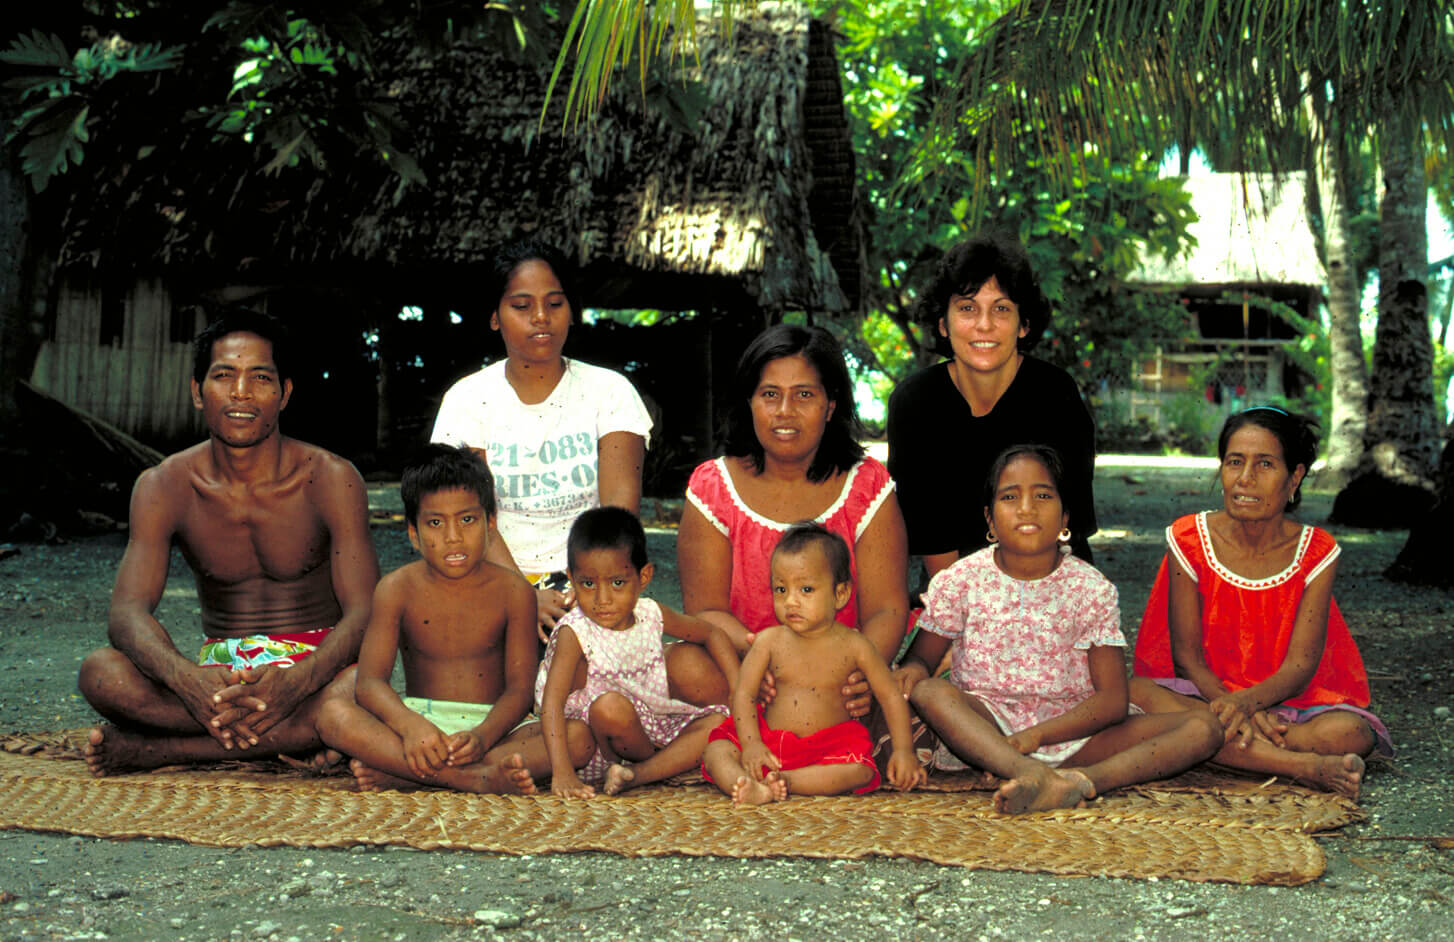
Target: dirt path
1382, 881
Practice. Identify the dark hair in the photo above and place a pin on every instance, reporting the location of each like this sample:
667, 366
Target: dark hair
839, 450
445, 468
241, 320
514, 254
607, 528
1048, 457
802, 535
1297, 434
967, 266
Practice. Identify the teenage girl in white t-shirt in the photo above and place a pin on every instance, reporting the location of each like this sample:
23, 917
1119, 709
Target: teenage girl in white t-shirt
560, 436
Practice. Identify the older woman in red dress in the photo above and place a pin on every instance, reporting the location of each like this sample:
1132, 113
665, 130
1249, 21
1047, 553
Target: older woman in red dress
1242, 620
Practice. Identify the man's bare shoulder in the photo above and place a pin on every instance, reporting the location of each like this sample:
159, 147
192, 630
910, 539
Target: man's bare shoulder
178, 466
165, 488
322, 467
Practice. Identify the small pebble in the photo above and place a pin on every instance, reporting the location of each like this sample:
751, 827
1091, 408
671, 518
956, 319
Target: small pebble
497, 918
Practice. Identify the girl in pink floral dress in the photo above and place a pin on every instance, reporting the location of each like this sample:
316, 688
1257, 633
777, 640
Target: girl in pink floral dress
1037, 678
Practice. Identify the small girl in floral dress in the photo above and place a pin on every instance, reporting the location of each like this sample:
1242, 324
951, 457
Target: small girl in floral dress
625, 700
1037, 679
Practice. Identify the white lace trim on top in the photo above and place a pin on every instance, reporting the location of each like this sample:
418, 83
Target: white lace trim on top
843, 494
1204, 536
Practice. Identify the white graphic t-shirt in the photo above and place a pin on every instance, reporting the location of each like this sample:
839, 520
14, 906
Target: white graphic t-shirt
543, 456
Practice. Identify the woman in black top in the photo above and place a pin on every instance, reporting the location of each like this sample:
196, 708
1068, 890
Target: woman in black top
947, 423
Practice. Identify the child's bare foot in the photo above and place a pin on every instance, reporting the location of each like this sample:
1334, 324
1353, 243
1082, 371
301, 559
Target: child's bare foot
370, 779
110, 750
773, 787
1044, 791
517, 776
618, 778
1341, 774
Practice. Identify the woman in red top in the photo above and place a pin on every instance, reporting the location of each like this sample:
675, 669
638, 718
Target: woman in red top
1242, 620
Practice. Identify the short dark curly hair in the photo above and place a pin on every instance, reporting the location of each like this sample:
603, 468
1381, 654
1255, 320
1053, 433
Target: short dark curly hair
440, 467
967, 266
808, 533
607, 528
241, 320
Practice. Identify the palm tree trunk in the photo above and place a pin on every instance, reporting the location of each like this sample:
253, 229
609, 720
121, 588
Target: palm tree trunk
1349, 420
1394, 484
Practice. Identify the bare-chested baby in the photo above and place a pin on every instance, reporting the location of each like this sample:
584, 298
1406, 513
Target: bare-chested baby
804, 742
465, 630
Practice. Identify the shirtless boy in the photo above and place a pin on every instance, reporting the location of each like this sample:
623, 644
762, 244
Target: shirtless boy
465, 628
804, 742
276, 533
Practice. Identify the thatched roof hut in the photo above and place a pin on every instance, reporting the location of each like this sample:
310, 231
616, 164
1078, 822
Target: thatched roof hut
1252, 229
753, 206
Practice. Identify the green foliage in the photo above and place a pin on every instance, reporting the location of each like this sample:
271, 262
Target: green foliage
608, 35
899, 56
294, 86
1188, 425
1443, 371
56, 89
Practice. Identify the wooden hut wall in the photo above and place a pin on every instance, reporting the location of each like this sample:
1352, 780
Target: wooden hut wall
136, 377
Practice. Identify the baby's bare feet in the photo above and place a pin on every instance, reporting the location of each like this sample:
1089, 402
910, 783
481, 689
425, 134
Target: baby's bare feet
1043, 791
370, 779
748, 792
618, 778
1341, 774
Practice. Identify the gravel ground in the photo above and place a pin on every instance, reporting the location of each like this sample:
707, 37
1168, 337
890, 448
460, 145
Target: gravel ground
1388, 877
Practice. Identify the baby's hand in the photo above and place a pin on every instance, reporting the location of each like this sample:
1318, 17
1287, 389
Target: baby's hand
905, 772
757, 755
465, 748
1024, 742
425, 748
570, 786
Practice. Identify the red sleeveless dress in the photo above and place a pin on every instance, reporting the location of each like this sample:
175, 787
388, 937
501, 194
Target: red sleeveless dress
1247, 623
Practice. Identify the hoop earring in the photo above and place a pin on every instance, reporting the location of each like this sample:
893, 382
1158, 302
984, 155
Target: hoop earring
990, 537
1064, 538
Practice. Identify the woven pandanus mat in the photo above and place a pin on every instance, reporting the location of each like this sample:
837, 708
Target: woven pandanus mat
1203, 837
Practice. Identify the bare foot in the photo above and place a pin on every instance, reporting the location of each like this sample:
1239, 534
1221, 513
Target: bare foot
110, 750
618, 778
318, 763
1341, 774
1044, 791
748, 792
517, 777
371, 779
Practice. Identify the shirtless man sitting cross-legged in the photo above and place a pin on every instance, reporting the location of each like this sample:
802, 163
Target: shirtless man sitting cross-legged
276, 533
